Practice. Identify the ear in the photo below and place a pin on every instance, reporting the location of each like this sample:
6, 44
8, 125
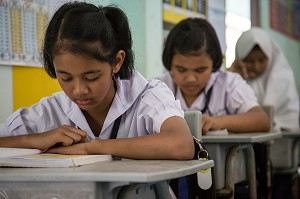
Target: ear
120, 59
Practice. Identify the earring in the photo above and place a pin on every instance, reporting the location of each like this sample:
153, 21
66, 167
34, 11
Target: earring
113, 76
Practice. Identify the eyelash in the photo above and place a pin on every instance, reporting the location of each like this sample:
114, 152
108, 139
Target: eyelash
87, 79
91, 80
197, 71
181, 70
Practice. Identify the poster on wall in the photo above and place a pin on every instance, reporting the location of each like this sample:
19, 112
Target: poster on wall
22, 25
285, 17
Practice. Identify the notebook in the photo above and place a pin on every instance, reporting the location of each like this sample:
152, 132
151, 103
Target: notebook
11, 152
19, 157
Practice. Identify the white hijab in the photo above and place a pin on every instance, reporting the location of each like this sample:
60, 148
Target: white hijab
276, 87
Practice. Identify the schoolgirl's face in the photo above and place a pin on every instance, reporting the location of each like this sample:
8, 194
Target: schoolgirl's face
191, 73
256, 63
87, 82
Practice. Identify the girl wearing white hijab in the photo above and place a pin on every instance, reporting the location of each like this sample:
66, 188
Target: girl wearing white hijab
262, 63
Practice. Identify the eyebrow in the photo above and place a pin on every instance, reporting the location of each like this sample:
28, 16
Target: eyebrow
198, 67
85, 73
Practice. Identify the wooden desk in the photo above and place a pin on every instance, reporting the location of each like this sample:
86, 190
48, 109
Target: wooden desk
109, 179
226, 150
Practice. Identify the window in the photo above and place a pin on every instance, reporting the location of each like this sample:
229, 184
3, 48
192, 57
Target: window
237, 20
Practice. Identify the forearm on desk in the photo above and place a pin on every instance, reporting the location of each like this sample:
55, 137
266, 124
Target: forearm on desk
155, 146
174, 141
254, 120
20, 141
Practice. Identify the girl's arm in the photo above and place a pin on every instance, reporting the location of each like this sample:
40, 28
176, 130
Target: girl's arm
255, 120
173, 142
64, 135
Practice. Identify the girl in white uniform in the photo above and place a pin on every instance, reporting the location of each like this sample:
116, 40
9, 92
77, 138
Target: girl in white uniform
264, 66
193, 57
89, 50
262, 63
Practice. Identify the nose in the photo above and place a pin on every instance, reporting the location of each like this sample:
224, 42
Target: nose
191, 77
257, 65
80, 88
253, 65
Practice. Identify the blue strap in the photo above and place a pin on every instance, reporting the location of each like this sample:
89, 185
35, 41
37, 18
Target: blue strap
182, 188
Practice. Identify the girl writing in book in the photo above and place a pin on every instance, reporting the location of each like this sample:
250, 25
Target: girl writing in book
89, 50
192, 56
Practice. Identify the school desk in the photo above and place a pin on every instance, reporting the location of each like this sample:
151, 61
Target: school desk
285, 153
285, 163
109, 179
234, 158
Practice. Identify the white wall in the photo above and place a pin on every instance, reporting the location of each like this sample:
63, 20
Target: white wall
6, 95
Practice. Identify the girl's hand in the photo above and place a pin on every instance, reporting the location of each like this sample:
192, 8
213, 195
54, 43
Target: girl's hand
209, 123
64, 135
240, 67
75, 149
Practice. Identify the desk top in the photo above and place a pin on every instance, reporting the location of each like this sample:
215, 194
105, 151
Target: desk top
286, 134
242, 137
110, 171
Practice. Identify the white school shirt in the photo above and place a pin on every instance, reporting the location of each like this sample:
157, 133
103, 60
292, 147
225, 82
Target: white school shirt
276, 87
230, 95
144, 106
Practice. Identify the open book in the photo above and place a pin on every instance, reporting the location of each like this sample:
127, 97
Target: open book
19, 157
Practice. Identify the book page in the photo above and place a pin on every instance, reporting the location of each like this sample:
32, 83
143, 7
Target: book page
52, 160
218, 132
12, 152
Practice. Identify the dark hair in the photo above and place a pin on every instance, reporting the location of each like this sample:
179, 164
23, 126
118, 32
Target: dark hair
192, 36
85, 29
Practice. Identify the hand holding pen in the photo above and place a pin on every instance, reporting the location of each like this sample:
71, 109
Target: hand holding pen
64, 135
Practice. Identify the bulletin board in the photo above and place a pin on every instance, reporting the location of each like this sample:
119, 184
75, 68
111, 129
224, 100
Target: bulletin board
176, 10
285, 17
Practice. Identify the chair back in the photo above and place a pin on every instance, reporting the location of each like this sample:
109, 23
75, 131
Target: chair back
194, 121
269, 110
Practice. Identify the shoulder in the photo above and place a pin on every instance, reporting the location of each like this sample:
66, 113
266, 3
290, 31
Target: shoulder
229, 79
45, 114
158, 89
168, 80
156, 93
57, 99
228, 76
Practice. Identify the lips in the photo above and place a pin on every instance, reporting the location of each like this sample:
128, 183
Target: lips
83, 102
191, 88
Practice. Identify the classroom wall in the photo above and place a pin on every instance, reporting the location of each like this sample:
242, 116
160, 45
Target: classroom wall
145, 19
290, 46
6, 89
30, 84
23, 85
